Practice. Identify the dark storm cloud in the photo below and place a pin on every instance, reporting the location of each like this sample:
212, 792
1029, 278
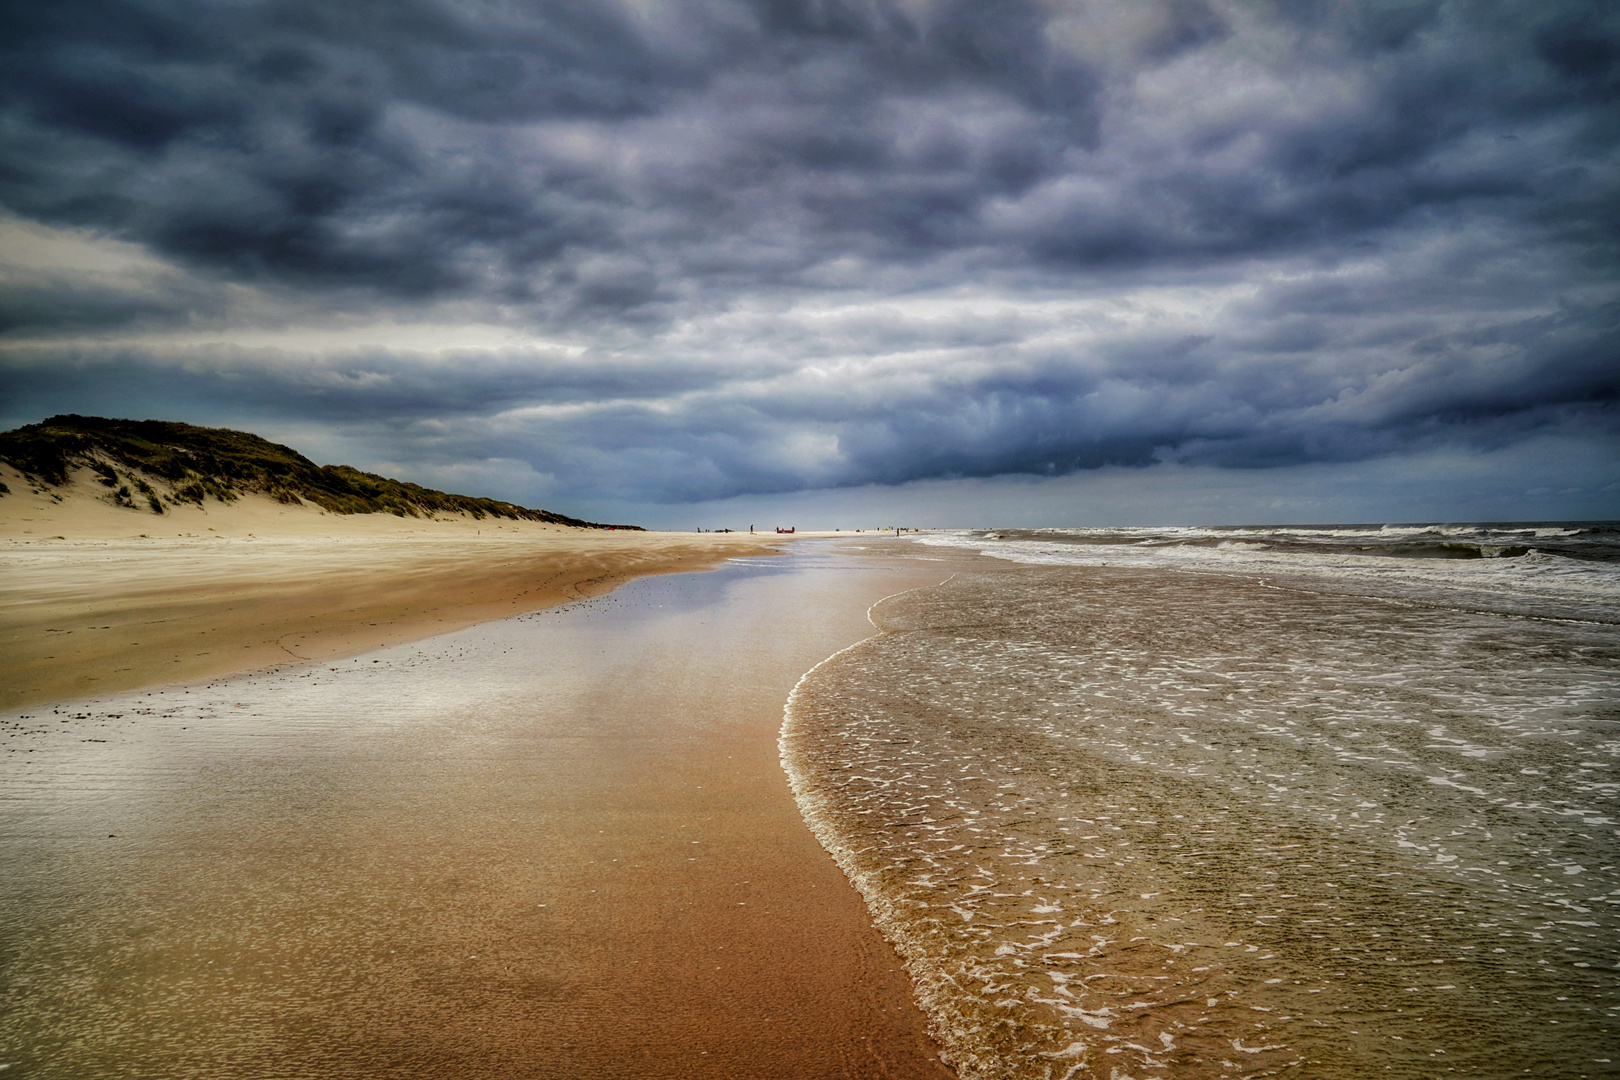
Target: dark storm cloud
1315, 231
383, 144
781, 419
363, 386
47, 306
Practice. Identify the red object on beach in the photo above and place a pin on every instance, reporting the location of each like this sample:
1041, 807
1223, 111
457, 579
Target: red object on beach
786, 530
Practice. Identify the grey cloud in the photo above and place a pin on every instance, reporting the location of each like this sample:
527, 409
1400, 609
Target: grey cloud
662, 429
714, 200
42, 307
361, 386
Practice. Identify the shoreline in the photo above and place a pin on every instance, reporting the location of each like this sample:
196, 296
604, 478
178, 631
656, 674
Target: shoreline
1179, 813
504, 867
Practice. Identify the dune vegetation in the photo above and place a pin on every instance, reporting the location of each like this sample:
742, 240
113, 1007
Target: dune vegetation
151, 464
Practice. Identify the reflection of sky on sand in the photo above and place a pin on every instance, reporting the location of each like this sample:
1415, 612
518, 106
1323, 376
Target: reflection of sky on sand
457, 855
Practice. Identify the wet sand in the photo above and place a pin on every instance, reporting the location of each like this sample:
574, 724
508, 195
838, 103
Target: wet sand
559, 845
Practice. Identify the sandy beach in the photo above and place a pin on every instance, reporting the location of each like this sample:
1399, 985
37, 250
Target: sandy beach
96, 598
558, 845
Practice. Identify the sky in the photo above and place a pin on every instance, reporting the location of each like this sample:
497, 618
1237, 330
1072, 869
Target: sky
708, 263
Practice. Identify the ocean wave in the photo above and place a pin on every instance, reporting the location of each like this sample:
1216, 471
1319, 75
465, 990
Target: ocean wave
1572, 571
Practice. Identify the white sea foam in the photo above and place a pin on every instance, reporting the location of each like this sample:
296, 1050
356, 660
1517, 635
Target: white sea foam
1552, 572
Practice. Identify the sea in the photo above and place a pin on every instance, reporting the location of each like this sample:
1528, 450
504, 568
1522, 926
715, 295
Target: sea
1327, 802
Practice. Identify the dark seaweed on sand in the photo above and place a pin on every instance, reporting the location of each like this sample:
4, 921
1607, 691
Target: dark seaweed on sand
195, 463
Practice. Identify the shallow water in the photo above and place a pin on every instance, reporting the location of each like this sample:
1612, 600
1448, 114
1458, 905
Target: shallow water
1133, 822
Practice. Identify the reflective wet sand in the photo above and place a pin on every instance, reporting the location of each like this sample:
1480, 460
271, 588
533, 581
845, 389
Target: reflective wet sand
555, 846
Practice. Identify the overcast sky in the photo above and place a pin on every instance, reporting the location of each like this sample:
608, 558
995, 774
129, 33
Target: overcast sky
952, 261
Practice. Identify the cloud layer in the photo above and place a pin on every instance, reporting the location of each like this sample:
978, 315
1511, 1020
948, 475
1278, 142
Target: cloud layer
698, 250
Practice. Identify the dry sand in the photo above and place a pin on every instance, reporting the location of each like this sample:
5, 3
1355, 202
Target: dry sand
96, 598
337, 870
